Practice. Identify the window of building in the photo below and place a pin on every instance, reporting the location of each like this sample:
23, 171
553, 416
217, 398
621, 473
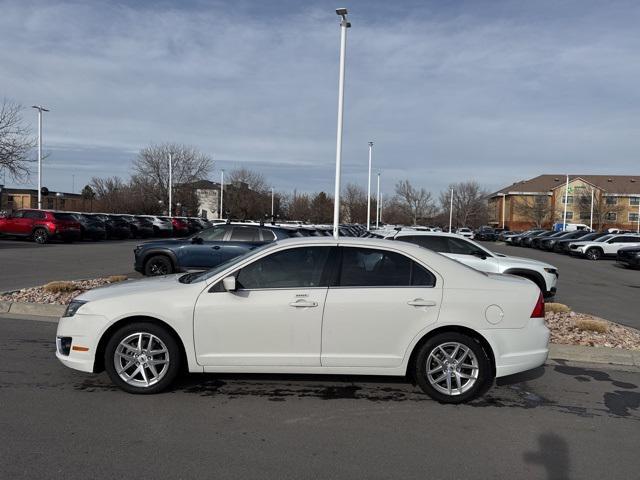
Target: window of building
633, 217
611, 216
50, 203
569, 215
585, 215
634, 201
569, 199
611, 200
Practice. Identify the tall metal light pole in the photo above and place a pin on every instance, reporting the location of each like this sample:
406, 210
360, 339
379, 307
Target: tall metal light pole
170, 185
566, 197
638, 215
451, 210
378, 204
40, 109
342, 12
272, 203
591, 220
504, 202
369, 189
221, 192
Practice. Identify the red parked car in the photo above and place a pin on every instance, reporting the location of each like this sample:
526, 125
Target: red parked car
40, 225
180, 227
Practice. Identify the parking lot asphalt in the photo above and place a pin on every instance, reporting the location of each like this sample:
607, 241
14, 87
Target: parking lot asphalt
27, 264
601, 287
557, 422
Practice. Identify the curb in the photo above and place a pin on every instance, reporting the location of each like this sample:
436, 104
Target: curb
37, 309
569, 353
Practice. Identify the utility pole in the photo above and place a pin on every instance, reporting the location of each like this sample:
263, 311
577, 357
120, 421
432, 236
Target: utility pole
344, 24
170, 185
591, 220
221, 192
378, 204
566, 198
272, 204
451, 210
369, 189
40, 110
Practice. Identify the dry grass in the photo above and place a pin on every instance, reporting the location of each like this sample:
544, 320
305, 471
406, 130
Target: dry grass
58, 287
556, 308
592, 325
116, 278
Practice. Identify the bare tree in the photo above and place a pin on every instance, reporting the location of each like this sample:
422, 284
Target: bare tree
417, 202
254, 180
354, 201
469, 204
602, 208
536, 209
299, 207
152, 165
16, 141
112, 195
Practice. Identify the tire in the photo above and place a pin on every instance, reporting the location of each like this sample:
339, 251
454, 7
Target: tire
593, 254
158, 265
147, 373
40, 235
469, 352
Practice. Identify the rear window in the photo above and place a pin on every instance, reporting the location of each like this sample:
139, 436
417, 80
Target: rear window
65, 216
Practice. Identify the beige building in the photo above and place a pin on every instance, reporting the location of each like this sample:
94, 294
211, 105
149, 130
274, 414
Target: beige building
600, 201
15, 198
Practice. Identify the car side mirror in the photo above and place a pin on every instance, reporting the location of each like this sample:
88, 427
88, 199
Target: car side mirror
197, 240
229, 283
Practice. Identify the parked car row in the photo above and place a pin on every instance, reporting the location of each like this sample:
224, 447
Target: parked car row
41, 226
582, 243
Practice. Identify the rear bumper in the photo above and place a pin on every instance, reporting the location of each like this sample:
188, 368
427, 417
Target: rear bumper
519, 350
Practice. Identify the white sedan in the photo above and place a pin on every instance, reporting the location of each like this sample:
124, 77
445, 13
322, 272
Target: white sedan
356, 306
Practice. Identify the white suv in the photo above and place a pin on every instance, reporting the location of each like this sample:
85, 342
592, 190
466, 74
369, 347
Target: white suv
465, 232
606, 246
474, 255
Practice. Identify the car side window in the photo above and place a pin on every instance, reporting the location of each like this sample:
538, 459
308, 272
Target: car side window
212, 234
301, 267
267, 235
432, 242
461, 247
18, 214
245, 234
363, 267
33, 214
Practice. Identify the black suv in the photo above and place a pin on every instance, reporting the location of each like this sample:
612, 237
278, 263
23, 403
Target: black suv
206, 248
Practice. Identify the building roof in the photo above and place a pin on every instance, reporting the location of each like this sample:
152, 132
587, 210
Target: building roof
614, 184
34, 192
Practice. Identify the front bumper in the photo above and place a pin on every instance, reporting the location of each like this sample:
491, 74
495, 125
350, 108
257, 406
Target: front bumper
519, 350
85, 332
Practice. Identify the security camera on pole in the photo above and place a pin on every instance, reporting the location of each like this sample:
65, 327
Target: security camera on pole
342, 12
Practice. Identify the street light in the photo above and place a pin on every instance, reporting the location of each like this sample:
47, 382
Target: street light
272, 209
342, 12
369, 189
40, 109
451, 210
566, 198
504, 203
378, 204
170, 184
221, 192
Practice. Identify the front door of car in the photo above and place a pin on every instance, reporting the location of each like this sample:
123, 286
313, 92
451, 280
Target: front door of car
204, 251
20, 223
377, 304
273, 318
612, 246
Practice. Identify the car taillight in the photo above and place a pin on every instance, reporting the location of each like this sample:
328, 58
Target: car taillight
538, 310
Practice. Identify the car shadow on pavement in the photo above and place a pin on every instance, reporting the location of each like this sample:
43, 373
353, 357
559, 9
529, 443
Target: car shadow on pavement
552, 455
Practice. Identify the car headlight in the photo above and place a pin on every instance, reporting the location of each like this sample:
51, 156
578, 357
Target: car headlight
73, 307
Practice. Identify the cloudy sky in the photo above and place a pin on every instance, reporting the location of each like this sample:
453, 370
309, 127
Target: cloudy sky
448, 91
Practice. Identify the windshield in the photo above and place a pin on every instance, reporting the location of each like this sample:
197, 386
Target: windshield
196, 277
603, 239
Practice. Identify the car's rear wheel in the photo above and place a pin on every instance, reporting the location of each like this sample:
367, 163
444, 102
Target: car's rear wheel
158, 265
452, 368
40, 235
142, 358
593, 254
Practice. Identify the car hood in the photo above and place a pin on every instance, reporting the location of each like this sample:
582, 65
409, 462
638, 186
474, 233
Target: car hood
515, 261
586, 242
128, 287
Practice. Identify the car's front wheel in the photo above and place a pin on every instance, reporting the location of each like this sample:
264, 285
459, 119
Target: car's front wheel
594, 254
158, 265
40, 235
452, 368
142, 358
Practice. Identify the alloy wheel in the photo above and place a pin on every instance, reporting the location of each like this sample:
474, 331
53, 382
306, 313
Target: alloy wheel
158, 268
40, 236
141, 359
452, 368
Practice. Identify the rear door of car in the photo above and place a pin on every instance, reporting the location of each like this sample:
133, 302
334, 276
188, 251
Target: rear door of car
377, 303
616, 243
240, 239
207, 254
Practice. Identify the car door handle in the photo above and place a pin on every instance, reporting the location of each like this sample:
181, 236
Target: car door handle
418, 302
217, 247
303, 303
